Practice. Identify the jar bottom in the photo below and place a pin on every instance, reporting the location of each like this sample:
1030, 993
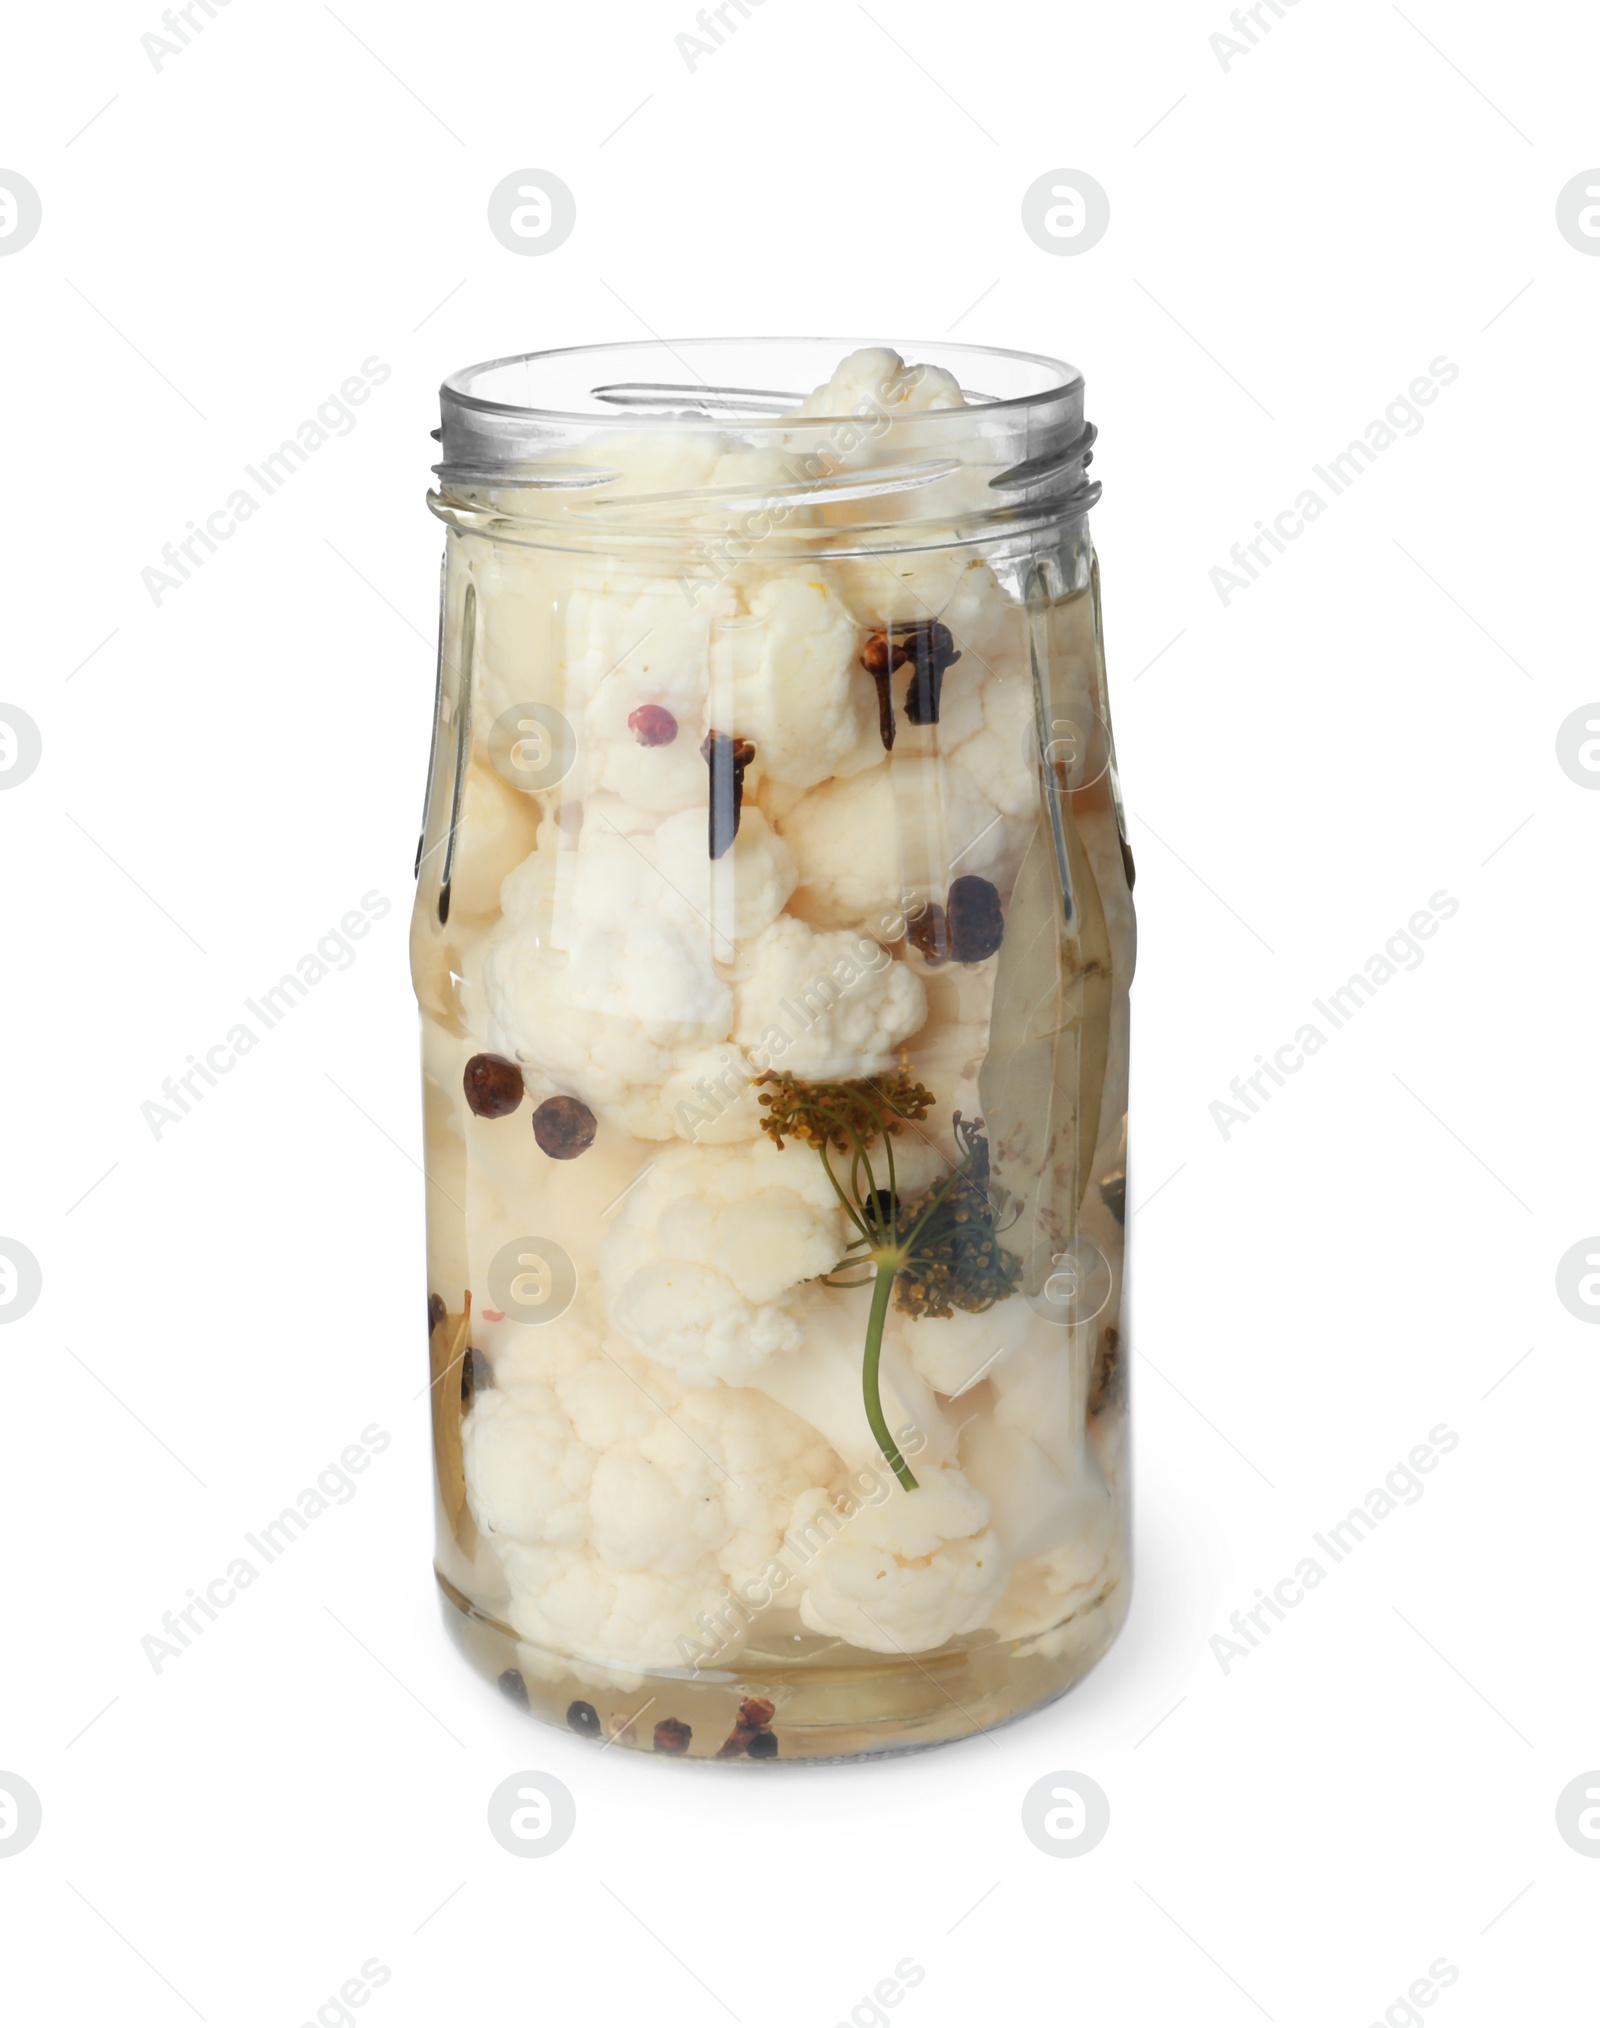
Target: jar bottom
821, 1713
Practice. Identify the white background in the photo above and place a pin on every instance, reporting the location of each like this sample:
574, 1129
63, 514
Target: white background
1293, 239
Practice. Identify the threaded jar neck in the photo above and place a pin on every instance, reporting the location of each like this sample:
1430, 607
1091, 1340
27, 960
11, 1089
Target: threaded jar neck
624, 447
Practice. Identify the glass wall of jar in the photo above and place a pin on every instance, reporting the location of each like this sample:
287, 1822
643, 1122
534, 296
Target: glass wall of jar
773, 938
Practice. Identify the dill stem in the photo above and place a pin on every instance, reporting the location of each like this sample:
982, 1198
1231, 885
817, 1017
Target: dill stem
889, 1261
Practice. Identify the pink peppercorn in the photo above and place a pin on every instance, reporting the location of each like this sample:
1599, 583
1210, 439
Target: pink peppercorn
653, 725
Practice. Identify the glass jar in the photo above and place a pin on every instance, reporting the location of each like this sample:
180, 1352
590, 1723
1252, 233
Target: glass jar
773, 937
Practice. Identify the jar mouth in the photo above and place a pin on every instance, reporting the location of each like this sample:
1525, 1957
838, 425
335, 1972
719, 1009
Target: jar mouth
649, 442
745, 383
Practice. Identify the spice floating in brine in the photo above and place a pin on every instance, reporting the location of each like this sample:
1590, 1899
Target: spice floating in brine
653, 725
880, 660
752, 1724
976, 921
564, 1128
493, 1085
583, 1719
727, 756
929, 933
928, 647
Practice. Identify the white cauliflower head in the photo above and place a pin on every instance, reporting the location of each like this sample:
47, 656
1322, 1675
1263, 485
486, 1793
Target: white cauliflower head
598, 977
603, 973
612, 970
701, 1263
640, 656
499, 825
619, 1506
820, 1378
521, 630
1033, 1455
866, 847
955, 1353
874, 378
1038, 1508
738, 895
823, 1003
907, 1574
951, 584
787, 675
710, 1098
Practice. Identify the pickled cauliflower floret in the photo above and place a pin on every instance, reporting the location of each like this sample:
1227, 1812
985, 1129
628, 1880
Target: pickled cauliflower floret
522, 642
1032, 1454
820, 1380
867, 846
906, 1575
954, 1353
599, 977
499, 825
634, 948
738, 895
823, 1003
622, 1507
703, 1256
955, 587
874, 377
652, 461
710, 1098
640, 661
787, 676
1001, 759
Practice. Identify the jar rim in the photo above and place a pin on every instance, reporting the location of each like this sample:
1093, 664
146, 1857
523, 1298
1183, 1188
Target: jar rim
625, 406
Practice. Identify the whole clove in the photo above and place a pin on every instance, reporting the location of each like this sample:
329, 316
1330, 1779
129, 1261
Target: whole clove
929, 932
752, 1724
930, 648
727, 756
880, 659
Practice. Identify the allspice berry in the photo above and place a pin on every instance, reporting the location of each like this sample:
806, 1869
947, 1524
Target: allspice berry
564, 1128
672, 1736
493, 1085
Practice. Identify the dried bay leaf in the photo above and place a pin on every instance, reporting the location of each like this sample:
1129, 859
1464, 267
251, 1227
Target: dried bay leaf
1043, 1079
447, 1352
